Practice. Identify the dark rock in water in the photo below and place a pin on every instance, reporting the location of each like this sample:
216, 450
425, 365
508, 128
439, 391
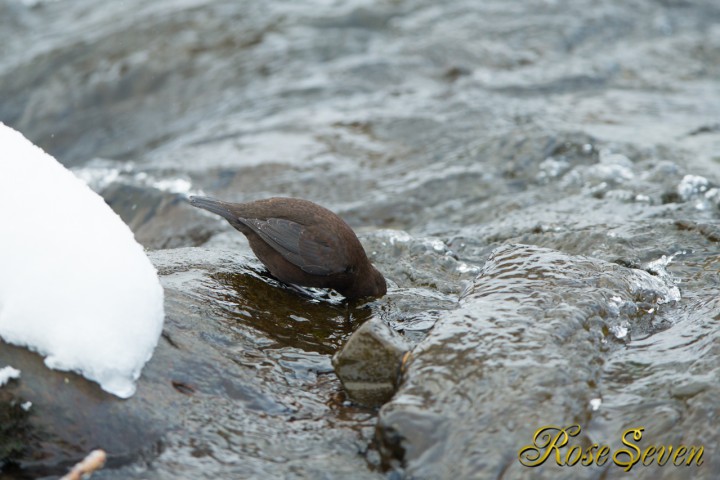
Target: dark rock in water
15, 429
369, 364
302, 243
158, 219
484, 380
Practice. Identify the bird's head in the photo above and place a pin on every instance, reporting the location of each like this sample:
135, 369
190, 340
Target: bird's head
368, 282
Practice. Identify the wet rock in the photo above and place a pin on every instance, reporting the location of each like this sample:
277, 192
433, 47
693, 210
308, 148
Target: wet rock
369, 363
525, 349
14, 428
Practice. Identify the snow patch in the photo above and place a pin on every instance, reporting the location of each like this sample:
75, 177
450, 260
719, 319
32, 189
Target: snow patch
7, 373
75, 286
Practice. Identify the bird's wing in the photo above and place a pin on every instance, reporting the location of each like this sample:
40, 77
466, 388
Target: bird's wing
316, 254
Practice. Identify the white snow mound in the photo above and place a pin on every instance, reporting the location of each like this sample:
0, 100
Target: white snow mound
6, 373
75, 286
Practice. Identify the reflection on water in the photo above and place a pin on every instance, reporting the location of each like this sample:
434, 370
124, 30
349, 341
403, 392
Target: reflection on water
286, 316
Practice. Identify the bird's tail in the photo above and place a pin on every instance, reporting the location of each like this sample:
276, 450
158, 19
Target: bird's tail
214, 206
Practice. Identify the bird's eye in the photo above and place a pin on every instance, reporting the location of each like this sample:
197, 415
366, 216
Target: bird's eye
349, 269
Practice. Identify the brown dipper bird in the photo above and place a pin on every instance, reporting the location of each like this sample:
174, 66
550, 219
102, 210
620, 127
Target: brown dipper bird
302, 243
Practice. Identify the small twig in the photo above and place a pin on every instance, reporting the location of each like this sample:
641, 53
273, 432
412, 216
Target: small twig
94, 461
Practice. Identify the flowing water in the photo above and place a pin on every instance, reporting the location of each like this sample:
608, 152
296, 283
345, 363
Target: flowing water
538, 180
